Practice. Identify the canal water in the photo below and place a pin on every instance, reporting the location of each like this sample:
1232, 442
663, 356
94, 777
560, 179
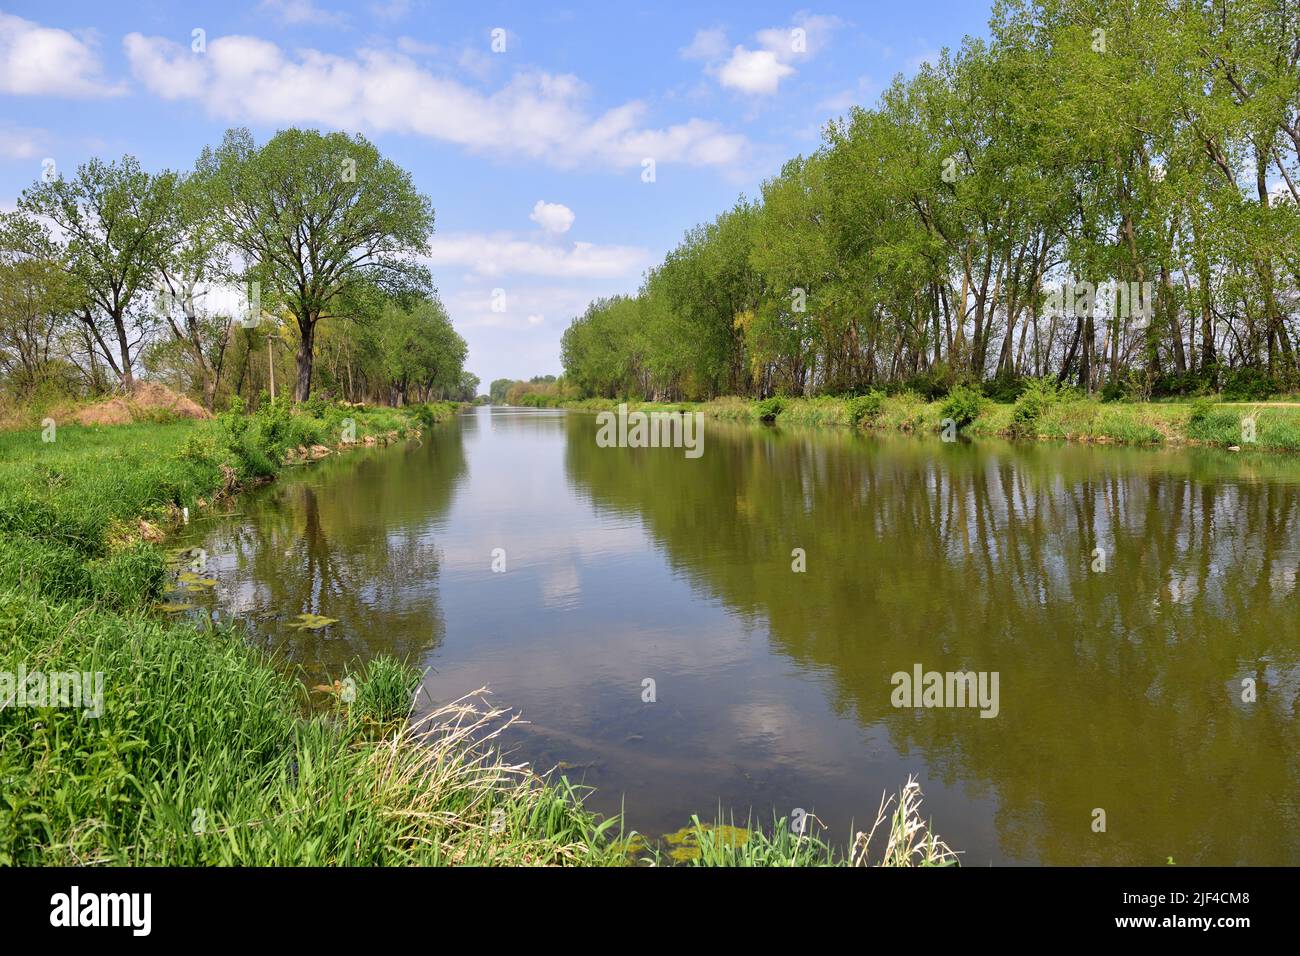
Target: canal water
722, 633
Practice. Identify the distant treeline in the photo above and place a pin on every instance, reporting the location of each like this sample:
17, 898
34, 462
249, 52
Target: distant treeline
539, 391
1103, 192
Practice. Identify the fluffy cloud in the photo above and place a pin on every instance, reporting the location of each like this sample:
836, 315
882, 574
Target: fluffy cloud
554, 217
760, 71
535, 115
498, 254
753, 71
39, 60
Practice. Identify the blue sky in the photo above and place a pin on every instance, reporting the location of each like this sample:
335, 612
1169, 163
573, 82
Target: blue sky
533, 149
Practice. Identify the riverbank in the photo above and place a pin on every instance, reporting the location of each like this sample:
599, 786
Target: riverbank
200, 750
188, 747
1038, 415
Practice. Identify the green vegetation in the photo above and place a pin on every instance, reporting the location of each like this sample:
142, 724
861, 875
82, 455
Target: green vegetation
907, 841
1041, 411
1104, 194
209, 752
1044, 410
540, 391
963, 405
115, 275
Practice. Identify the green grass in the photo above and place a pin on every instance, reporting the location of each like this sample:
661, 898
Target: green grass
209, 752
1040, 413
204, 756
905, 840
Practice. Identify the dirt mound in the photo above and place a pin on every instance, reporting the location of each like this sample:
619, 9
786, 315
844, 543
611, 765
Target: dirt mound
149, 401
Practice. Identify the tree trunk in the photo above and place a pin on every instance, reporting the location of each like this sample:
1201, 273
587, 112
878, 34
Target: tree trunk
302, 388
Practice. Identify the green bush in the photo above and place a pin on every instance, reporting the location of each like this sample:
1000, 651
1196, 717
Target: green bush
1175, 384
1248, 385
931, 384
317, 405
1113, 391
863, 409
1039, 394
1201, 409
1004, 389
769, 408
963, 405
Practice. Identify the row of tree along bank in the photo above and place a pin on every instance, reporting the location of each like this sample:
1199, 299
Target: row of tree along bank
1107, 195
279, 267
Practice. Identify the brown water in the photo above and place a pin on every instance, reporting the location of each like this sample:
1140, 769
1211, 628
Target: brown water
1118, 689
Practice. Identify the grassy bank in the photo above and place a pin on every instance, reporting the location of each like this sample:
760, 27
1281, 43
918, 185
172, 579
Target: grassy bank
201, 750
1041, 413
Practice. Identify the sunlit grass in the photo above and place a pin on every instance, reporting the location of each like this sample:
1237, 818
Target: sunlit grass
1065, 418
208, 752
898, 837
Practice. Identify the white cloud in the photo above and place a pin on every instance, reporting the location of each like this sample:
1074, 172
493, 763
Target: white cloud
753, 71
926, 54
17, 142
760, 71
807, 35
707, 45
554, 217
535, 115
301, 12
498, 254
526, 306
177, 77
37, 60
393, 10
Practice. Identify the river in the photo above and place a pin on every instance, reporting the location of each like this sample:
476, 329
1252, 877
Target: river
1138, 607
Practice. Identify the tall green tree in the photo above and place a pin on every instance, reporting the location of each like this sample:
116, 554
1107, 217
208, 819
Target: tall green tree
314, 214
117, 223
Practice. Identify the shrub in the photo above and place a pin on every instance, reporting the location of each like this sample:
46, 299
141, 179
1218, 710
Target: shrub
317, 405
863, 409
963, 405
1178, 384
769, 408
931, 384
1201, 409
1039, 395
1004, 388
1113, 391
1248, 385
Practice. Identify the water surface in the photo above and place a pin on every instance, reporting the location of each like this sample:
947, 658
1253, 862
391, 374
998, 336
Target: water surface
1119, 689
